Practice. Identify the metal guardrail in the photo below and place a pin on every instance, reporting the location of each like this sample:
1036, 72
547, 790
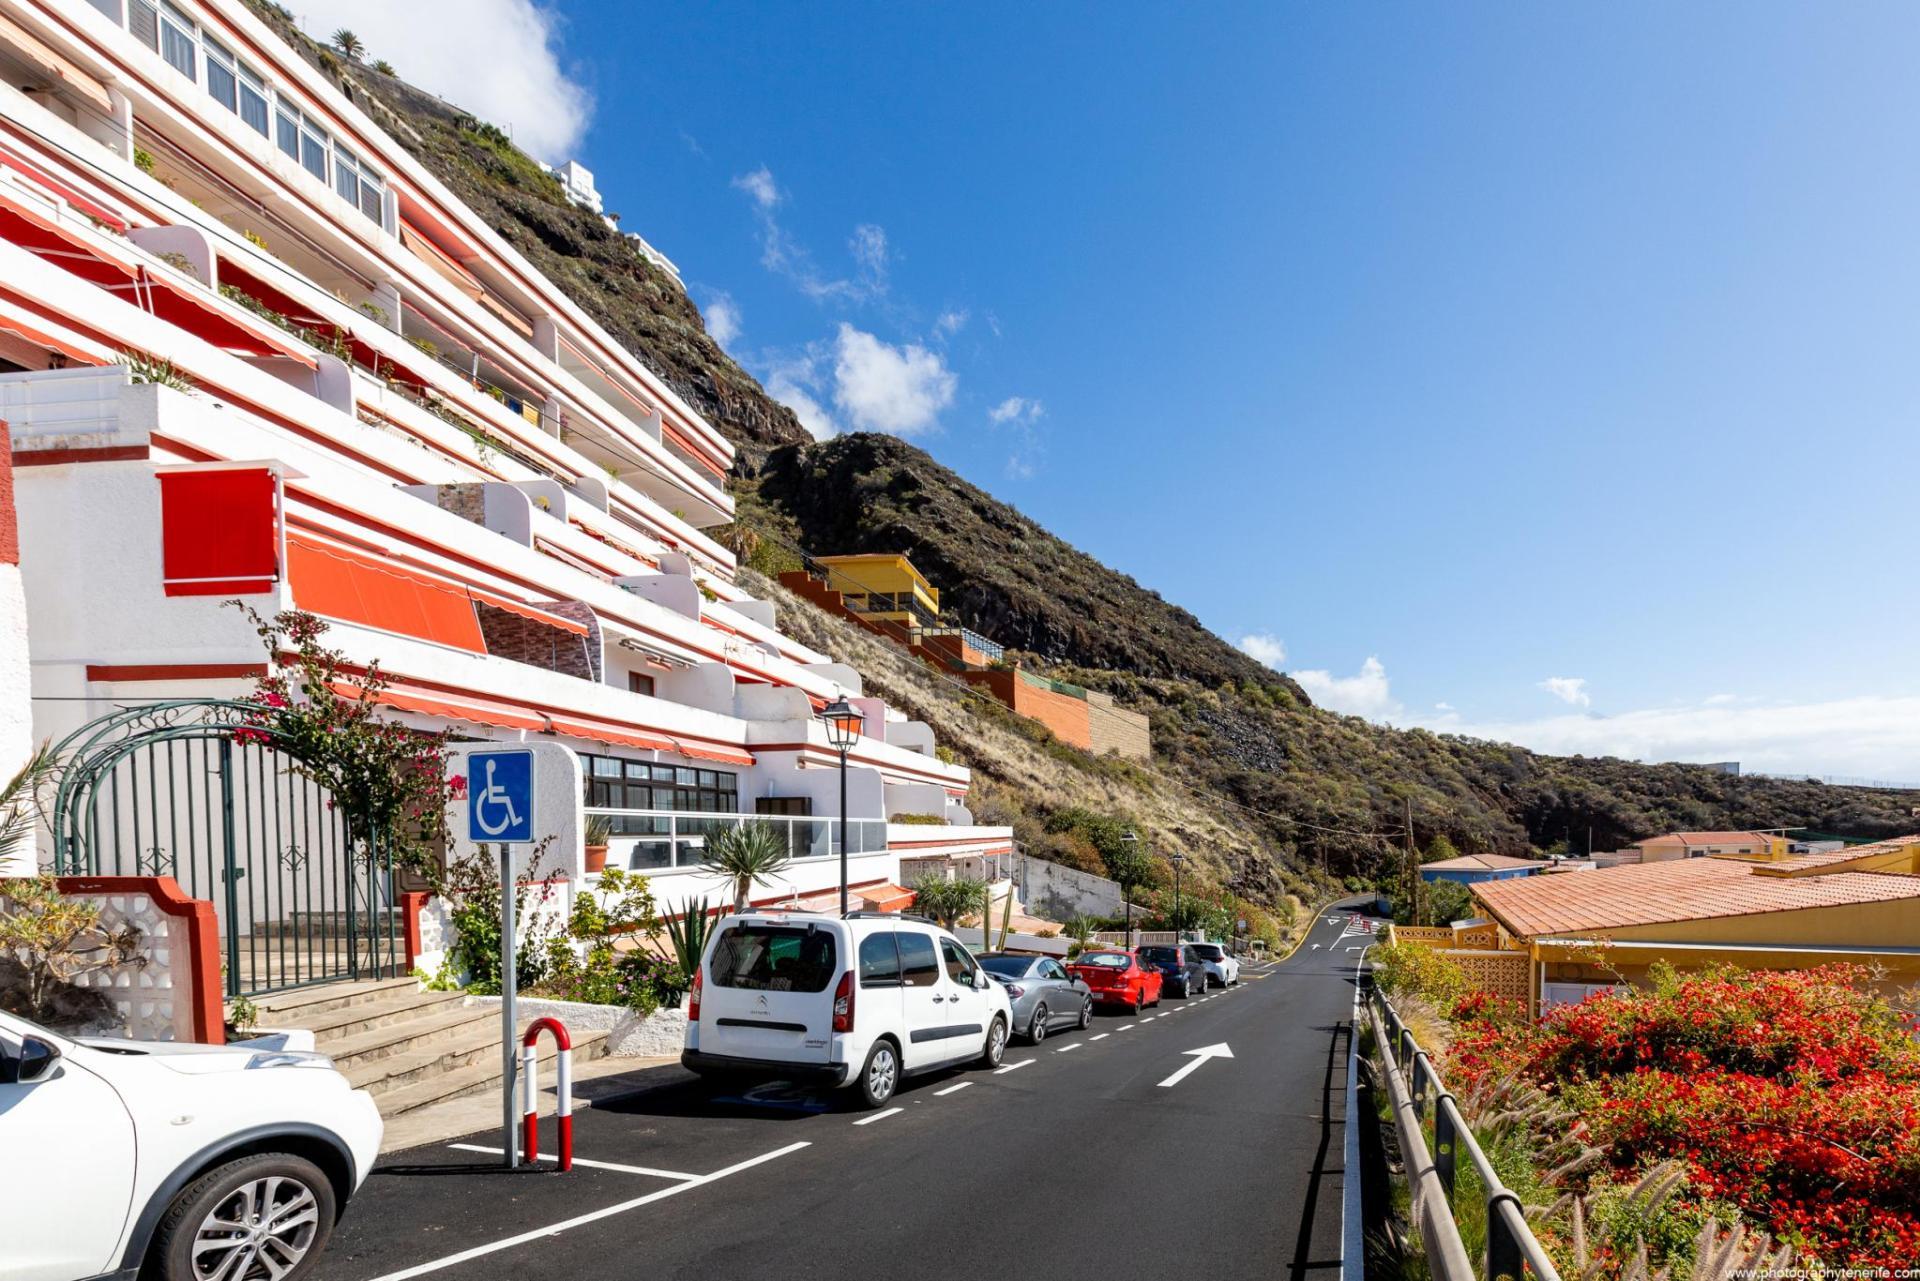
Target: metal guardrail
1513, 1253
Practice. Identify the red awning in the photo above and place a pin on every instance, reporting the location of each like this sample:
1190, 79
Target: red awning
503, 715
66, 191
335, 582
201, 317
44, 237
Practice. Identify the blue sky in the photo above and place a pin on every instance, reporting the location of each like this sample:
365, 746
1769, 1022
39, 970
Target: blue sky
1547, 372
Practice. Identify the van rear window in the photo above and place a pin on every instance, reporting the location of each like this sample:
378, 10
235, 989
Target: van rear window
774, 958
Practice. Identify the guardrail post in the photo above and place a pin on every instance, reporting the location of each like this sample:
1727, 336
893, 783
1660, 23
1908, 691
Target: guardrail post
1503, 1248
1422, 1071
1444, 1141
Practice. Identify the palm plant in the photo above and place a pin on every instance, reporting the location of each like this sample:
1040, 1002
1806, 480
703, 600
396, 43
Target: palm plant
947, 901
748, 854
687, 936
384, 67
348, 43
18, 810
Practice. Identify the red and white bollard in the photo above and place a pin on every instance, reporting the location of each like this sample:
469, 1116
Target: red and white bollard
530, 1090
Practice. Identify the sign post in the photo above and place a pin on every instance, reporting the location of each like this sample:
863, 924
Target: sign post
500, 809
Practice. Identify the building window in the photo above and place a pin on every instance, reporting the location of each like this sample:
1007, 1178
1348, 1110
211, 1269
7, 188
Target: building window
287, 130
253, 100
784, 806
313, 148
223, 79
640, 683
143, 19
346, 175
613, 783
177, 44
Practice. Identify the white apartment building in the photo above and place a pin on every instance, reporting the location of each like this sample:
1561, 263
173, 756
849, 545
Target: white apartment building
354, 398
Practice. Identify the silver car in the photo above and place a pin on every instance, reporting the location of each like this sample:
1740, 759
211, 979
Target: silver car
1043, 995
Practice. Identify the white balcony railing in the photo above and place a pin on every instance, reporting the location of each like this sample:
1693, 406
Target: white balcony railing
660, 840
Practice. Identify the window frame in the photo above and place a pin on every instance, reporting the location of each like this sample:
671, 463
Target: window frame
900, 938
892, 944
178, 25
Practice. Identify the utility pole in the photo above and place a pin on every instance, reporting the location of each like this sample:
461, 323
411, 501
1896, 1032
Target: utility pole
1413, 867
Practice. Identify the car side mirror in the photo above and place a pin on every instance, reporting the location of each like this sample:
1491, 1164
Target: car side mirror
34, 1062
980, 980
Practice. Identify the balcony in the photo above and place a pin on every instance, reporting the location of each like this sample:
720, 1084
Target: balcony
663, 840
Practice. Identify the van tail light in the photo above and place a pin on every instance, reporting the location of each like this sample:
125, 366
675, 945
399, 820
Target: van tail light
693, 1001
843, 1004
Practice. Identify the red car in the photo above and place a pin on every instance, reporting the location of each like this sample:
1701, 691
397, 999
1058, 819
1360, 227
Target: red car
1117, 978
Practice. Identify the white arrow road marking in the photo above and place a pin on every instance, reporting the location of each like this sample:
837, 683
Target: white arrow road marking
1011, 1066
1200, 1056
879, 1116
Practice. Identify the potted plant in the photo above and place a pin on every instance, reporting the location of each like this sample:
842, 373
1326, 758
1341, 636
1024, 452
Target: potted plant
599, 828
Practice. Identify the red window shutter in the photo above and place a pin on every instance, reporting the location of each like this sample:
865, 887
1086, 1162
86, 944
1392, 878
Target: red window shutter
220, 531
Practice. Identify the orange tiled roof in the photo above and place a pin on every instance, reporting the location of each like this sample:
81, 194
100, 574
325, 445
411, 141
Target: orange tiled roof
1709, 838
1695, 889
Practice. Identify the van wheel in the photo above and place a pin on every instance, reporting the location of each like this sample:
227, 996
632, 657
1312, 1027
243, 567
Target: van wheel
880, 1075
272, 1211
1038, 1031
996, 1043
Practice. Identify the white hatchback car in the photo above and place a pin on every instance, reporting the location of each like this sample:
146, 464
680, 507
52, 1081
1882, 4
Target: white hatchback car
172, 1161
862, 1001
1223, 968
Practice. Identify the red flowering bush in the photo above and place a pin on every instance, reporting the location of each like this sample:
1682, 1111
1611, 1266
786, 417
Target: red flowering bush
1795, 1096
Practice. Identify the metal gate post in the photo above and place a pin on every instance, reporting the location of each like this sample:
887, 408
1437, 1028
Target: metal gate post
230, 870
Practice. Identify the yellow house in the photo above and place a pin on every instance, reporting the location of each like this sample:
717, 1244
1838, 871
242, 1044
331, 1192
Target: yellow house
883, 585
1677, 845
1761, 911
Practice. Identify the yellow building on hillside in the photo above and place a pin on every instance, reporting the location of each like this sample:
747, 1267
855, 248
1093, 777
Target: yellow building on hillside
883, 585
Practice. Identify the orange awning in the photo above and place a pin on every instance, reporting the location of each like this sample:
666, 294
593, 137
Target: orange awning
337, 583
888, 898
502, 715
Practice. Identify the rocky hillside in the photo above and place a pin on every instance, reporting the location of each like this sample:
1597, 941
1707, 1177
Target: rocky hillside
1258, 785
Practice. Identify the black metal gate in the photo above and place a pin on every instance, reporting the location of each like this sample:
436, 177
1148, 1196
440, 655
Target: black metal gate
189, 790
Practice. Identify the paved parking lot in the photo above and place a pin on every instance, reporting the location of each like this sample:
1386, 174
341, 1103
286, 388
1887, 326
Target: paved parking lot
1079, 1156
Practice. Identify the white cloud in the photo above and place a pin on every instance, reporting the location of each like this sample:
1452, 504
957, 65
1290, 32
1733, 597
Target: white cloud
723, 318
1568, 689
1016, 409
760, 185
1020, 417
950, 322
1871, 736
785, 256
881, 387
525, 91
1365, 693
795, 384
1263, 647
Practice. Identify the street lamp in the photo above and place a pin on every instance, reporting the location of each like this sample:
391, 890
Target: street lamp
843, 729
1176, 858
1126, 892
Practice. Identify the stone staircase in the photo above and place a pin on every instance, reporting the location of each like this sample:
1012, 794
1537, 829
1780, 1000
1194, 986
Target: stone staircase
409, 1049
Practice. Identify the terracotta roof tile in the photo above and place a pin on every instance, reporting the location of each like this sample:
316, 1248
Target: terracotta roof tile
1482, 863
1693, 889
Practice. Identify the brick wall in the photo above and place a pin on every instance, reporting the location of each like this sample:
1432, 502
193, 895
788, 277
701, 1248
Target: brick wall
469, 502
1114, 729
527, 640
1065, 715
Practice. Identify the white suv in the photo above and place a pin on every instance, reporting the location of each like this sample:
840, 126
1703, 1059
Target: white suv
862, 1001
172, 1161
1223, 969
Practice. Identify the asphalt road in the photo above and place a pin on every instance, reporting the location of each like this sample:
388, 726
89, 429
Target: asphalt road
1076, 1159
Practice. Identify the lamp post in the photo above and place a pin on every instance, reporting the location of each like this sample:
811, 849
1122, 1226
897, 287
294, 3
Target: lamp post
843, 728
1176, 858
1126, 891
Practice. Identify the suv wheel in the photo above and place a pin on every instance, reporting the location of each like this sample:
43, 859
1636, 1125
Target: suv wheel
880, 1075
1038, 1032
996, 1043
270, 1214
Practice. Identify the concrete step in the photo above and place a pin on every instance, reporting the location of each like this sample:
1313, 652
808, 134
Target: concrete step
291, 1009
479, 1076
351, 1047
328, 1026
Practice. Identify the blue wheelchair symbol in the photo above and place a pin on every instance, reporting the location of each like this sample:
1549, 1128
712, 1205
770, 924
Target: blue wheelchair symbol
500, 796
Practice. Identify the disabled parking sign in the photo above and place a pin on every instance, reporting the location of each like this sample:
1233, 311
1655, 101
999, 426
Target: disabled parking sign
500, 796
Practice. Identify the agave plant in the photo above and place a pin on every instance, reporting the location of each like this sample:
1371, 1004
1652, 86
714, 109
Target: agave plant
748, 855
687, 935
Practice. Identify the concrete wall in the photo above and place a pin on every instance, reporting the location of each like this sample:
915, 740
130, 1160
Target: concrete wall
16, 706
1114, 729
1057, 892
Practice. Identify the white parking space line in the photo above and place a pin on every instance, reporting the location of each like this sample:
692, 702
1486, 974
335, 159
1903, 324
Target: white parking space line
1126, 1027
952, 1089
879, 1116
1150, 1018
1063, 1049
1103, 1036
1002, 1071
580, 1160
581, 1220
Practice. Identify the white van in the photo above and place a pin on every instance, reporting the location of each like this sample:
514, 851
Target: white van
859, 1001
